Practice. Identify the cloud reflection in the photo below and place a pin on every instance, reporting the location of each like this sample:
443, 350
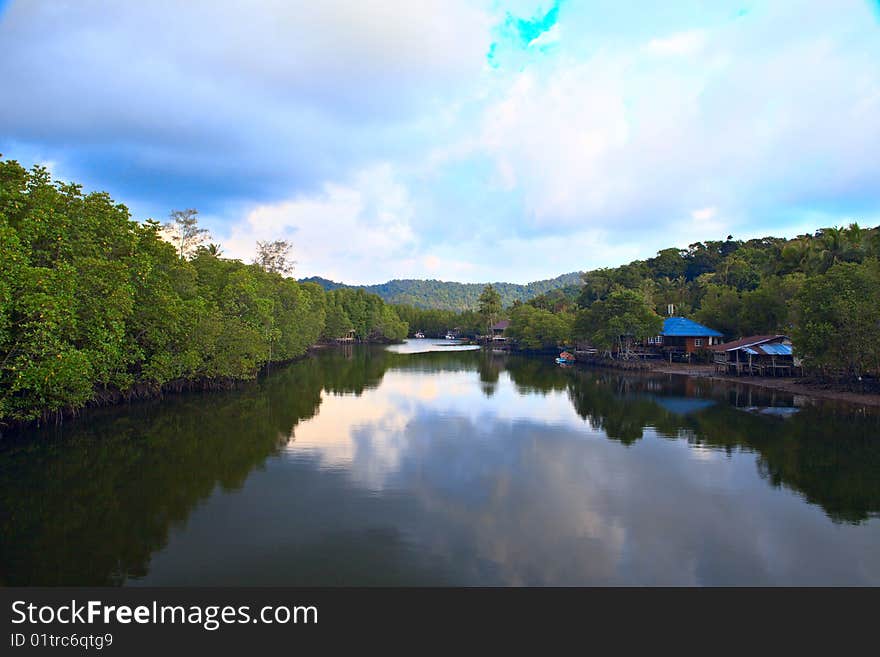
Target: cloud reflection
517, 489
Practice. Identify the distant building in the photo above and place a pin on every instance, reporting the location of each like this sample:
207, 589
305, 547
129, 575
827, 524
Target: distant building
763, 355
499, 328
349, 336
683, 336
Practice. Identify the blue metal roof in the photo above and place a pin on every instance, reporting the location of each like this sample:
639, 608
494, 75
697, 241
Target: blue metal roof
772, 349
684, 327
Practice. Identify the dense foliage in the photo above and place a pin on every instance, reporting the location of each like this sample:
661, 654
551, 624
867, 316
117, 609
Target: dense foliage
447, 295
435, 323
366, 314
839, 325
739, 287
94, 305
620, 321
534, 328
822, 289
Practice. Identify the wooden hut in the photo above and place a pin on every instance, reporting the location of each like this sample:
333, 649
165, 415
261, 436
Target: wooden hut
498, 330
756, 355
349, 336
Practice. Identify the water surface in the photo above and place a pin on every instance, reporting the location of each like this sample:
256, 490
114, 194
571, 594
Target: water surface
431, 464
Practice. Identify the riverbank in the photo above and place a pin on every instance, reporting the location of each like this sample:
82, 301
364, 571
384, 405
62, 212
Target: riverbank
804, 386
108, 397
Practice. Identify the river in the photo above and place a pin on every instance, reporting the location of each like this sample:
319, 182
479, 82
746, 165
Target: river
424, 465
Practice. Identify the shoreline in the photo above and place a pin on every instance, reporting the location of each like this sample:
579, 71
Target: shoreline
802, 386
793, 385
109, 398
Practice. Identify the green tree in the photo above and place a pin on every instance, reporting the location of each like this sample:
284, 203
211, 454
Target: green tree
95, 306
534, 328
839, 326
669, 263
770, 308
489, 306
721, 308
620, 322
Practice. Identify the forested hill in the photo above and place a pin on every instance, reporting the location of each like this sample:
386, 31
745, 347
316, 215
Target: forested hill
448, 295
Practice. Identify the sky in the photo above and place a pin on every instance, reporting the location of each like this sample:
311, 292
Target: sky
469, 140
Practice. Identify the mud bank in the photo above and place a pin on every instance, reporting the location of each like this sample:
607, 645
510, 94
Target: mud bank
794, 385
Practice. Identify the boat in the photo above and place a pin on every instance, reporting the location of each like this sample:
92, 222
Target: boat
419, 335
565, 358
449, 336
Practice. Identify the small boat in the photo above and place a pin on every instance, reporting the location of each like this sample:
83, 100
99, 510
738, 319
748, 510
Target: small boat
565, 358
449, 336
419, 335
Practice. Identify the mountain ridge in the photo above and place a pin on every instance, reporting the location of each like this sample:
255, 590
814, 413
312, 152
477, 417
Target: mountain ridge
451, 295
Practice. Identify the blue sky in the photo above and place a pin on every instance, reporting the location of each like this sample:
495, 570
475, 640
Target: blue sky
455, 139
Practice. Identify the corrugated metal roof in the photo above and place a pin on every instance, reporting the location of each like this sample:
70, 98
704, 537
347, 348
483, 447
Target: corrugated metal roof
749, 341
775, 349
684, 327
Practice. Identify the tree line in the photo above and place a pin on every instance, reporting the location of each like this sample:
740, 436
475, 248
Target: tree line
436, 323
450, 295
821, 289
95, 306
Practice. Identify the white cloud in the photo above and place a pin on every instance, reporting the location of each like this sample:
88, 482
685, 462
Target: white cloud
623, 138
704, 224
704, 214
682, 43
275, 49
557, 163
437, 266
523, 259
355, 232
550, 137
257, 98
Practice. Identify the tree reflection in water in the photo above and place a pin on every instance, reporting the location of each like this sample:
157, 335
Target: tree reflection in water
93, 500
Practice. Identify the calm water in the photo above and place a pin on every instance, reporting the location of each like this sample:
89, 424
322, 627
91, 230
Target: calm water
455, 467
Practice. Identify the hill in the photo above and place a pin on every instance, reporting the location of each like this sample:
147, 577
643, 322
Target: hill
448, 295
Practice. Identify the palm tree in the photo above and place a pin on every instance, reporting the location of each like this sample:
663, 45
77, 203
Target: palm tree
829, 247
796, 254
855, 238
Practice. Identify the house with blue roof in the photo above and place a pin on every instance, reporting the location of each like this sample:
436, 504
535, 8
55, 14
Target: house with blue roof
684, 336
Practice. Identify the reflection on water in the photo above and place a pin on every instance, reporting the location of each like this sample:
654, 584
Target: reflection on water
425, 345
376, 466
